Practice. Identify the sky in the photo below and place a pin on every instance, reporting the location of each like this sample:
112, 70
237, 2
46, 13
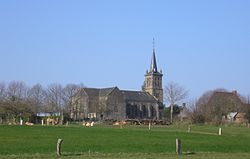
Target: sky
201, 45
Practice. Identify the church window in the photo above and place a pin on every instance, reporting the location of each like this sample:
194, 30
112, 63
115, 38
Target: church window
115, 108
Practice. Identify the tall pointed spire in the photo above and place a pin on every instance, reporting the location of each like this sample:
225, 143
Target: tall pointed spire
153, 67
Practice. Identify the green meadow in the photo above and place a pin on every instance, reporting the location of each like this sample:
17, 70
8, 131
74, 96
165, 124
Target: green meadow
102, 141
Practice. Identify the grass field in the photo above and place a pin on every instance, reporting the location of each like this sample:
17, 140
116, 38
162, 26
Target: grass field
133, 142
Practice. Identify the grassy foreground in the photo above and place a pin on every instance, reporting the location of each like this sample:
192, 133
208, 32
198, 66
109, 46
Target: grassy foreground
129, 142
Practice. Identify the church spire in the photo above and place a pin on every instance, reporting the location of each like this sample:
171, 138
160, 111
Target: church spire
153, 67
153, 79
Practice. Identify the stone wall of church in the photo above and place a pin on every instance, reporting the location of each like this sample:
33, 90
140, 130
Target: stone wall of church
142, 110
79, 109
116, 105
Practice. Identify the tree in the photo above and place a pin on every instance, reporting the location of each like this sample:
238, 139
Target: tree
174, 94
176, 111
54, 98
36, 96
16, 104
69, 92
2, 91
216, 104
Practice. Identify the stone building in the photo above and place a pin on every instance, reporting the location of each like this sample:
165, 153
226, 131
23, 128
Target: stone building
113, 103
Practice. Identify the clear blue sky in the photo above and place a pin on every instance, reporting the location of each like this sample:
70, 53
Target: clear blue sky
201, 45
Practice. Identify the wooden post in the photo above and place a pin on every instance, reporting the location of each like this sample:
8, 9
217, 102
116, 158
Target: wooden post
248, 125
189, 129
220, 131
42, 122
21, 122
178, 146
149, 126
58, 147
67, 123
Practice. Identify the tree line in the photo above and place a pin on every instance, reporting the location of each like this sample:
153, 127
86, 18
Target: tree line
18, 100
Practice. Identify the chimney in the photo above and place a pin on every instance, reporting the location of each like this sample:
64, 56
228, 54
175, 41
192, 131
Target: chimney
184, 104
234, 92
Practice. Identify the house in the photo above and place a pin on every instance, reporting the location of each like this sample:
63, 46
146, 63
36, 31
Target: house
235, 117
225, 106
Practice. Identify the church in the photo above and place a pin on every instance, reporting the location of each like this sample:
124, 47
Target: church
116, 104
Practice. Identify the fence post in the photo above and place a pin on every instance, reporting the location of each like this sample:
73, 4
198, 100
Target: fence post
149, 125
189, 129
220, 131
178, 146
42, 122
58, 147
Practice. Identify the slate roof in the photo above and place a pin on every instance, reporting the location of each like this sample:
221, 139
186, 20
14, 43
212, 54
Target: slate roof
228, 100
220, 96
138, 96
92, 92
95, 92
106, 91
153, 66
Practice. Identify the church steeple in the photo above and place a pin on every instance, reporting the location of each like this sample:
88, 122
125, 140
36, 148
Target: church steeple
153, 67
153, 79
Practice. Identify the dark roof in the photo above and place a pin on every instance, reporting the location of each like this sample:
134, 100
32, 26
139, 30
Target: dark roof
228, 99
106, 91
153, 67
95, 92
225, 96
138, 96
92, 92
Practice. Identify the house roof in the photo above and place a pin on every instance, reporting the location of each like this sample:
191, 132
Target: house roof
227, 102
220, 96
138, 96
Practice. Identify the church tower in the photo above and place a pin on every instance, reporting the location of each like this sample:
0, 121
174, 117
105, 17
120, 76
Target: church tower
153, 80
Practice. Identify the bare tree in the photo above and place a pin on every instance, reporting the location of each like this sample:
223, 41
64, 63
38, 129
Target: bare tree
16, 104
2, 91
54, 98
174, 94
16, 90
69, 92
216, 104
37, 96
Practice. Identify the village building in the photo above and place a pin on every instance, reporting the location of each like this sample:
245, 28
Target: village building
116, 104
229, 105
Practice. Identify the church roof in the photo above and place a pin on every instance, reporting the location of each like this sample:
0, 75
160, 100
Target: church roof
106, 91
95, 92
153, 66
138, 96
92, 92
